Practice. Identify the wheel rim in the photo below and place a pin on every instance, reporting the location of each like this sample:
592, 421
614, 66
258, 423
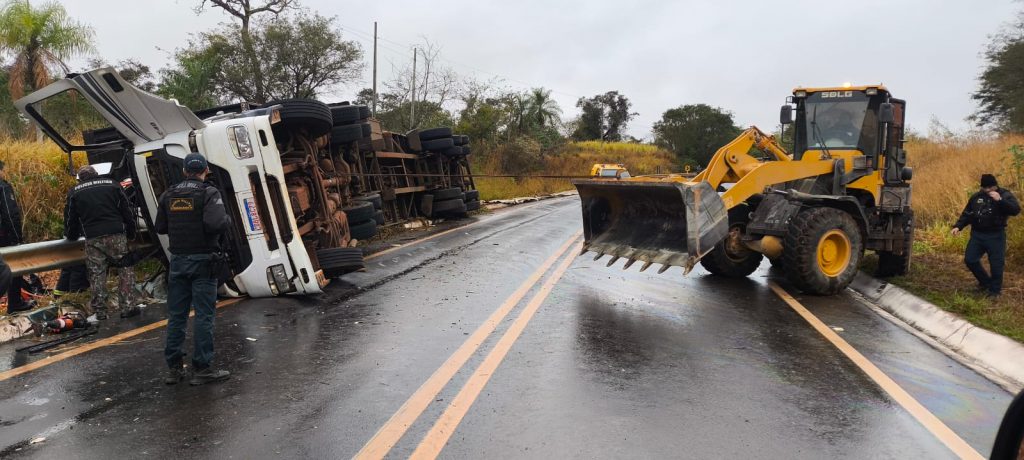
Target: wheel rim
834, 252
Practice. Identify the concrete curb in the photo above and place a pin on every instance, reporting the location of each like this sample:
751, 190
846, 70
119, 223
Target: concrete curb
992, 352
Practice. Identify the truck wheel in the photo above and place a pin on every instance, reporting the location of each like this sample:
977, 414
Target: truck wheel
437, 145
361, 211
446, 194
346, 134
891, 264
378, 217
472, 205
363, 230
435, 133
822, 250
347, 114
371, 198
339, 261
304, 114
730, 258
452, 206
472, 195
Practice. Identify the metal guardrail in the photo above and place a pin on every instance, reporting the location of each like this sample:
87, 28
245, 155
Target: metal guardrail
50, 255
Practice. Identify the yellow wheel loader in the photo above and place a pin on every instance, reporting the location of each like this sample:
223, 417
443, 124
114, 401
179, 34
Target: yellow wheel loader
843, 189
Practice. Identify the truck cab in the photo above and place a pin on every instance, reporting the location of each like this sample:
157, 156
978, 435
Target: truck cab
256, 157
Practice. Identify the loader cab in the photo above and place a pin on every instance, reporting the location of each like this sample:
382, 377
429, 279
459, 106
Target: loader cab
847, 120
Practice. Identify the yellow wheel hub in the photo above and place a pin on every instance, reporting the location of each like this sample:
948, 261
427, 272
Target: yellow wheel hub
834, 252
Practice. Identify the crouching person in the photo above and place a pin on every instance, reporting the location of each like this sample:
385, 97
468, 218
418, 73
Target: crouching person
192, 216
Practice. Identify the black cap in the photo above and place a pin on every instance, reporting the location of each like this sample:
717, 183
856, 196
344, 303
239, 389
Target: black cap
87, 172
988, 180
195, 163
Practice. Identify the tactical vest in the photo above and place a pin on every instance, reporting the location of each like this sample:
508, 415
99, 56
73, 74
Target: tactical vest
185, 219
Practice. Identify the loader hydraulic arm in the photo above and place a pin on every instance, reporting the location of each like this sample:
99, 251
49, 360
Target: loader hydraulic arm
733, 164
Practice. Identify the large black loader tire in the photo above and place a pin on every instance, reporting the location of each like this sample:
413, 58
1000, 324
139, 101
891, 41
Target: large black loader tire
891, 264
730, 258
339, 261
298, 115
822, 250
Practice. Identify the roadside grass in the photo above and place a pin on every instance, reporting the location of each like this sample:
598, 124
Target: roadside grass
572, 159
38, 173
946, 173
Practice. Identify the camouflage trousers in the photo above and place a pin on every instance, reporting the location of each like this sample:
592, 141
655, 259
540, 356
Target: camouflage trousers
100, 254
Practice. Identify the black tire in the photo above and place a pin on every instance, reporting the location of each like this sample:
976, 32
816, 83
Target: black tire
459, 140
435, 133
361, 211
364, 111
465, 150
437, 145
807, 232
472, 205
446, 194
363, 230
347, 114
452, 151
346, 134
378, 217
371, 198
339, 261
367, 131
453, 206
777, 263
891, 264
313, 117
472, 195
737, 262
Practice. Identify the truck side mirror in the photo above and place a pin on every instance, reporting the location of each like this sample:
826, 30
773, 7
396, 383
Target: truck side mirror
885, 114
786, 114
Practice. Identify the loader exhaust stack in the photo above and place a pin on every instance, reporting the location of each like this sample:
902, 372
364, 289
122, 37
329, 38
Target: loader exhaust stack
657, 222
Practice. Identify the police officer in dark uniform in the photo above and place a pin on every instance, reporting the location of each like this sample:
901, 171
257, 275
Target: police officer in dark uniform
192, 216
986, 212
10, 235
98, 209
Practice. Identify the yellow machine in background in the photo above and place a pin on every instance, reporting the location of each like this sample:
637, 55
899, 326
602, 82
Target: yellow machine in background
843, 189
609, 170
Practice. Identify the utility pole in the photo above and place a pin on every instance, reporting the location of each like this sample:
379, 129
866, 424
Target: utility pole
412, 110
373, 110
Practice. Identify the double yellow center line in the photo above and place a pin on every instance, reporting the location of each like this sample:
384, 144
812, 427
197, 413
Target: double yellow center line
392, 431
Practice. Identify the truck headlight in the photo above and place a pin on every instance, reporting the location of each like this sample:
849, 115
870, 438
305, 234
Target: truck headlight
241, 146
278, 280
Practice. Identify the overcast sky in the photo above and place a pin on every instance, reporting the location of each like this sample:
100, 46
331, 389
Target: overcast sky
744, 56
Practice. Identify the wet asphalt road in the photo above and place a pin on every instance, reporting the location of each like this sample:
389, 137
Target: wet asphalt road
613, 364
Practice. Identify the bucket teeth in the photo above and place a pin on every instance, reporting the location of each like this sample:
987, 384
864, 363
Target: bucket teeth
584, 250
614, 259
598, 256
663, 268
628, 264
646, 265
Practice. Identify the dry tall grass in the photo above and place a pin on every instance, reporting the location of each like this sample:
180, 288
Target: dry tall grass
572, 159
38, 173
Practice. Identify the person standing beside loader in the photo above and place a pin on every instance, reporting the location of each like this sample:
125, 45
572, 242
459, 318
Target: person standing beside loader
98, 210
987, 212
193, 217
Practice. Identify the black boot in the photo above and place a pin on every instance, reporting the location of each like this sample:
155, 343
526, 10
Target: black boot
175, 374
208, 375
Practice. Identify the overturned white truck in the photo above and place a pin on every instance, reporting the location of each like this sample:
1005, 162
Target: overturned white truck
287, 192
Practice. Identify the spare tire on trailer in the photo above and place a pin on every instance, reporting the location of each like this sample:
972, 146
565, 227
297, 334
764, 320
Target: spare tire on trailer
339, 261
313, 117
435, 133
363, 230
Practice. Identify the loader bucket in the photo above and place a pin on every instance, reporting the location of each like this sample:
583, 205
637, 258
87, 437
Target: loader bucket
663, 222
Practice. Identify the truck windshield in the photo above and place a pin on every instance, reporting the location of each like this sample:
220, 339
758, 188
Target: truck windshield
835, 119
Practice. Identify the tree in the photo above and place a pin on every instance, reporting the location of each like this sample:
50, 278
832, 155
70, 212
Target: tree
603, 117
436, 86
299, 57
694, 132
40, 40
246, 12
541, 109
1000, 93
193, 78
131, 70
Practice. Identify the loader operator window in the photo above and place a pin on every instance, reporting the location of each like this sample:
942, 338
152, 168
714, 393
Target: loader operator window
835, 119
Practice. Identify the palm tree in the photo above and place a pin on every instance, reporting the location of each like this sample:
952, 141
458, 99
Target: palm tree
40, 39
542, 109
